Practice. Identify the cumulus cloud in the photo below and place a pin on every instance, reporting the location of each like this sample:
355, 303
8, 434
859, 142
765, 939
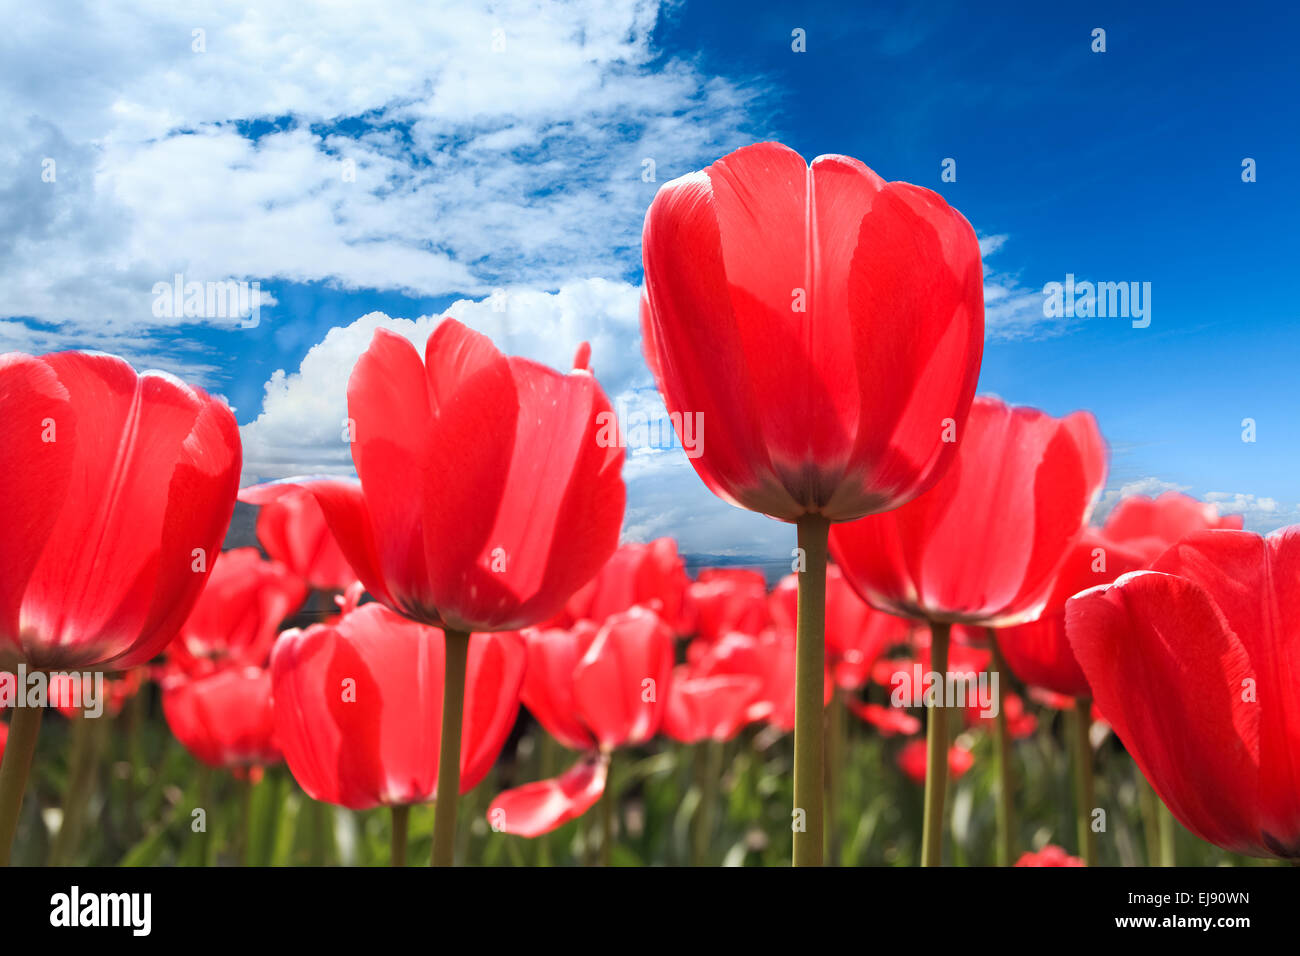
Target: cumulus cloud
429, 148
1012, 310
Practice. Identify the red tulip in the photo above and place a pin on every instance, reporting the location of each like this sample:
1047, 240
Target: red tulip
911, 760
770, 656
708, 708
1049, 855
828, 326
237, 616
984, 545
1195, 665
888, 720
117, 496
1038, 651
223, 718
593, 690
4, 735
856, 633
486, 497
728, 600
651, 574
293, 531
822, 321
358, 707
1149, 526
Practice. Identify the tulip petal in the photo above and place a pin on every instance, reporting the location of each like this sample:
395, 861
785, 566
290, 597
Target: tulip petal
622, 682
1255, 583
1168, 673
33, 401
546, 805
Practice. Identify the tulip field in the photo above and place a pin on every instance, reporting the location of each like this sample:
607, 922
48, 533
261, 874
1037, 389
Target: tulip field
607, 707
866, 602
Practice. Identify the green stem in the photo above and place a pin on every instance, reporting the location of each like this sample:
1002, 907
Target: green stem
24, 727
1166, 833
245, 820
1149, 804
607, 807
401, 826
809, 679
1084, 795
87, 740
453, 706
206, 775
936, 756
835, 732
1002, 757
708, 766
270, 807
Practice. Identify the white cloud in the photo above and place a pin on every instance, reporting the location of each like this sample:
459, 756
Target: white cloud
1011, 310
1261, 514
474, 168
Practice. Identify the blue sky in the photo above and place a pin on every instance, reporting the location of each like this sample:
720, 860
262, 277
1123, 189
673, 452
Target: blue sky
519, 169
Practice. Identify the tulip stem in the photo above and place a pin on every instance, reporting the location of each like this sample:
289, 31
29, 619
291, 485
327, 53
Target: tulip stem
87, 741
810, 696
936, 750
24, 728
1167, 856
453, 706
607, 806
1002, 759
246, 819
708, 768
1083, 782
401, 823
835, 733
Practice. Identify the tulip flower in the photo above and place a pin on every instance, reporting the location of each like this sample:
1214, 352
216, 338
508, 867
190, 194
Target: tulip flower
887, 720
224, 718
358, 707
727, 600
712, 708
293, 531
706, 712
119, 491
1148, 526
828, 326
1049, 855
914, 761
487, 496
767, 656
593, 690
982, 547
651, 575
237, 616
1195, 665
